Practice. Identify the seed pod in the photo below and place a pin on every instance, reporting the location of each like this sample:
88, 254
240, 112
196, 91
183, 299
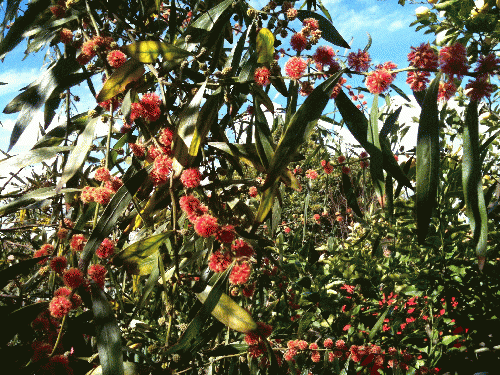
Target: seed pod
230, 313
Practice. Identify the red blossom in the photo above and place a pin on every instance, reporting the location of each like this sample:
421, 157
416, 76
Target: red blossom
58, 11
190, 178
219, 261
240, 273
418, 80
66, 36
73, 278
311, 174
488, 64
261, 76
78, 242
137, 149
192, 207
241, 248
151, 105
136, 111
116, 58
162, 166
113, 184
378, 81
252, 191
105, 249
166, 137
295, 67
423, 57
298, 41
59, 307
311, 23
206, 225
225, 234
328, 343
453, 60
102, 195
446, 90
102, 174
359, 61
479, 88
97, 273
59, 264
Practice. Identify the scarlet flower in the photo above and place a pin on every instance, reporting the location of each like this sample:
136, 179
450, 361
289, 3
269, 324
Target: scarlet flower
298, 42
43, 251
315, 356
151, 104
317, 217
136, 111
488, 64
105, 249
113, 102
479, 88
102, 195
58, 364
66, 36
346, 327
240, 273
59, 307
306, 88
295, 67
378, 81
59, 264
89, 48
102, 174
453, 60
261, 76
328, 343
423, 57
289, 354
162, 166
225, 234
137, 149
97, 273
302, 344
340, 344
252, 191
338, 87
446, 90
418, 80
73, 278
314, 346
241, 248
287, 230
291, 14
359, 61
166, 137
87, 195
219, 261
190, 178
346, 170
41, 350
311, 23
311, 174
327, 168
206, 225
116, 58
58, 11
192, 207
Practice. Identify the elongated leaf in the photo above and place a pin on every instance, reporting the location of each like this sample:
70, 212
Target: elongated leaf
21, 268
79, 153
129, 72
472, 183
112, 212
33, 157
147, 52
146, 291
186, 128
400, 92
378, 324
140, 250
265, 46
23, 23
108, 335
484, 147
36, 95
266, 202
32, 197
376, 164
263, 138
352, 200
427, 160
19, 319
390, 122
328, 31
294, 135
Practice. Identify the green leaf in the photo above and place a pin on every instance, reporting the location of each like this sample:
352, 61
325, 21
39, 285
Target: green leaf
32, 157
266, 203
108, 335
376, 163
378, 324
472, 182
139, 252
263, 138
294, 136
20, 318
400, 92
328, 31
77, 156
129, 72
265, 46
36, 95
21, 25
427, 159
390, 122
112, 213
147, 52
21, 268
351, 198
32, 197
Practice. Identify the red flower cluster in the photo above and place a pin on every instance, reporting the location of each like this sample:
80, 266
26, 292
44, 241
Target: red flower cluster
73, 278
311, 174
192, 207
261, 76
116, 58
225, 234
78, 242
59, 307
219, 262
240, 273
252, 191
102, 174
327, 167
137, 149
453, 60
379, 80
101, 195
190, 178
97, 273
45, 250
105, 249
59, 264
241, 249
66, 36
359, 61
295, 67
89, 48
162, 166
206, 225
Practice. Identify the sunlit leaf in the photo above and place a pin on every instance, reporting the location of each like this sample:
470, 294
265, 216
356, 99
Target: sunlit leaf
265, 46
328, 31
472, 182
129, 72
33, 157
427, 159
147, 52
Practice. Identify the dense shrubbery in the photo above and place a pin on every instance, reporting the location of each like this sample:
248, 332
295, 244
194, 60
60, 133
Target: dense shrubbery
204, 199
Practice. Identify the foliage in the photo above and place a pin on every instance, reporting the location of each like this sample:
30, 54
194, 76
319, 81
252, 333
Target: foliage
206, 198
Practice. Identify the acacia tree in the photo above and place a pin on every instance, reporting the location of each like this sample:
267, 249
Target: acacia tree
192, 196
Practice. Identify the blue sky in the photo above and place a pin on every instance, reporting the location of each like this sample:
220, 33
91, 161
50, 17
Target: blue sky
386, 21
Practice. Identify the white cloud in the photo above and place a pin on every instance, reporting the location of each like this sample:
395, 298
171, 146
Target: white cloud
396, 25
16, 80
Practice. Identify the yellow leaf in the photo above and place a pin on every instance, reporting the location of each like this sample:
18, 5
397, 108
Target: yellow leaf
131, 71
265, 46
148, 51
